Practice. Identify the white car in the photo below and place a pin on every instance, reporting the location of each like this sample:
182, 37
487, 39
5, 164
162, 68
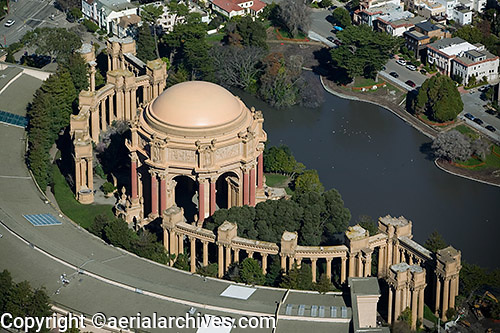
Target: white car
401, 62
9, 23
411, 67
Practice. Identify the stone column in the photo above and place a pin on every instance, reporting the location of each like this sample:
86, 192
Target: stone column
299, 262
193, 254
163, 193
180, 241
404, 303
264, 263
380, 265
397, 304
291, 261
213, 204
119, 105
127, 105
165, 239
410, 259
220, 259
133, 176
112, 113
228, 257
154, 193
359, 272
283, 262
343, 270
368, 265
437, 295
446, 297
94, 119
420, 314
103, 114
329, 268
245, 188
251, 187
78, 175
452, 292
90, 174
205, 252
260, 171
250, 254
389, 307
313, 267
201, 201
236, 255
414, 308
133, 103
388, 256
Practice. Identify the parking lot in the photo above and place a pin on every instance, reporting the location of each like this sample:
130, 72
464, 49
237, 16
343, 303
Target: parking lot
404, 74
474, 105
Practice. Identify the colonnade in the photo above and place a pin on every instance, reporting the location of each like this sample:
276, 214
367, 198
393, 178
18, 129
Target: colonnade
445, 293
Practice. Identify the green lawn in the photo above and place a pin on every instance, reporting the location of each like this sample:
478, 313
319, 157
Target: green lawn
276, 180
364, 82
81, 214
429, 315
214, 38
466, 130
491, 161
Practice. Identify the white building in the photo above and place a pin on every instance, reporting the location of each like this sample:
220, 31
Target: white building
107, 13
455, 56
167, 20
231, 8
462, 15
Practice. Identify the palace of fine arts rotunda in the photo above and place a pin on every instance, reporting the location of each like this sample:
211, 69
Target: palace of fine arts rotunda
194, 138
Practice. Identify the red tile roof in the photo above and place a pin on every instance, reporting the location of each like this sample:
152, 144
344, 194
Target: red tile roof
228, 5
258, 5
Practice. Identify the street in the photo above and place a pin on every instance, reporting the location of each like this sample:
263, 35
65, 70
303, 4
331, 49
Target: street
404, 73
30, 14
474, 105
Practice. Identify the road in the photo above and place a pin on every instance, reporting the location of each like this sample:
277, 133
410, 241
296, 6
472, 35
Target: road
474, 105
30, 14
404, 73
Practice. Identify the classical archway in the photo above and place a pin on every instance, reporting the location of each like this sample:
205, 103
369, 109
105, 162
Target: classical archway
186, 196
223, 187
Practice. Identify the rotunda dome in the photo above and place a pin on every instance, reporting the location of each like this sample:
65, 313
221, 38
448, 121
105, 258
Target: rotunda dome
196, 104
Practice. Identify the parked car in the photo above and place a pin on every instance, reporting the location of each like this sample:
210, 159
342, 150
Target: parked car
9, 23
336, 27
337, 42
411, 83
491, 128
330, 38
469, 116
478, 121
423, 71
394, 74
401, 62
411, 67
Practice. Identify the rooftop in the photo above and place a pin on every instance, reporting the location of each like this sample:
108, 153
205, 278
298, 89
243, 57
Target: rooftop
364, 286
416, 35
427, 26
452, 46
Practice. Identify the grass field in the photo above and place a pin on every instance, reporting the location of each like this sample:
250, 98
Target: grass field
491, 161
214, 38
364, 82
429, 315
276, 180
82, 214
466, 130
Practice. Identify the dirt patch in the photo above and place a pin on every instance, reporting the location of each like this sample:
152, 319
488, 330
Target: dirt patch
306, 50
487, 174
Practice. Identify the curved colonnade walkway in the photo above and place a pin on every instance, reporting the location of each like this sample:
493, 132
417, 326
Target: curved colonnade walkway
73, 245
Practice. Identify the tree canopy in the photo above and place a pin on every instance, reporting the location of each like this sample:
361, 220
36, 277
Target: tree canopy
145, 44
452, 146
245, 31
363, 51
439, 99
150, 14
341, 17
316, 216
295, 16
435, 242
58, 43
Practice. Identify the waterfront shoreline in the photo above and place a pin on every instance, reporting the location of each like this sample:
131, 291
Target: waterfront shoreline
412, 121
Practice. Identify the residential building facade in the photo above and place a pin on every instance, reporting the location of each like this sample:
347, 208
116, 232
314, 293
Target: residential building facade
232, 8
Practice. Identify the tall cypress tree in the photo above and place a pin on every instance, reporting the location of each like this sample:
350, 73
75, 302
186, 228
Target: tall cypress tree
145, 44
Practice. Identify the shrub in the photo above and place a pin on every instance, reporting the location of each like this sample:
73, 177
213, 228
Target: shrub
91, 26
108, 187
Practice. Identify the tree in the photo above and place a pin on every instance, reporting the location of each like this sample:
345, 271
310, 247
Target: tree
435, 242
341, 17
182, 262
150, 14
145, 44
452, 145
58, 43
363, 51
470, 33
295, 16
79, 73
308, 181
210, 270
324, 284
66, 5
247, 32
237, 66
366, 222
118, 233
251, 273
480, 148
439, 99
98, 225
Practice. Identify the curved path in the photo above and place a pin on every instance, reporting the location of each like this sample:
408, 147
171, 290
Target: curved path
115, 282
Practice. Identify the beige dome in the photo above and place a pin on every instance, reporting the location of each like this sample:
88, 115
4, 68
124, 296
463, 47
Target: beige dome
196, 104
